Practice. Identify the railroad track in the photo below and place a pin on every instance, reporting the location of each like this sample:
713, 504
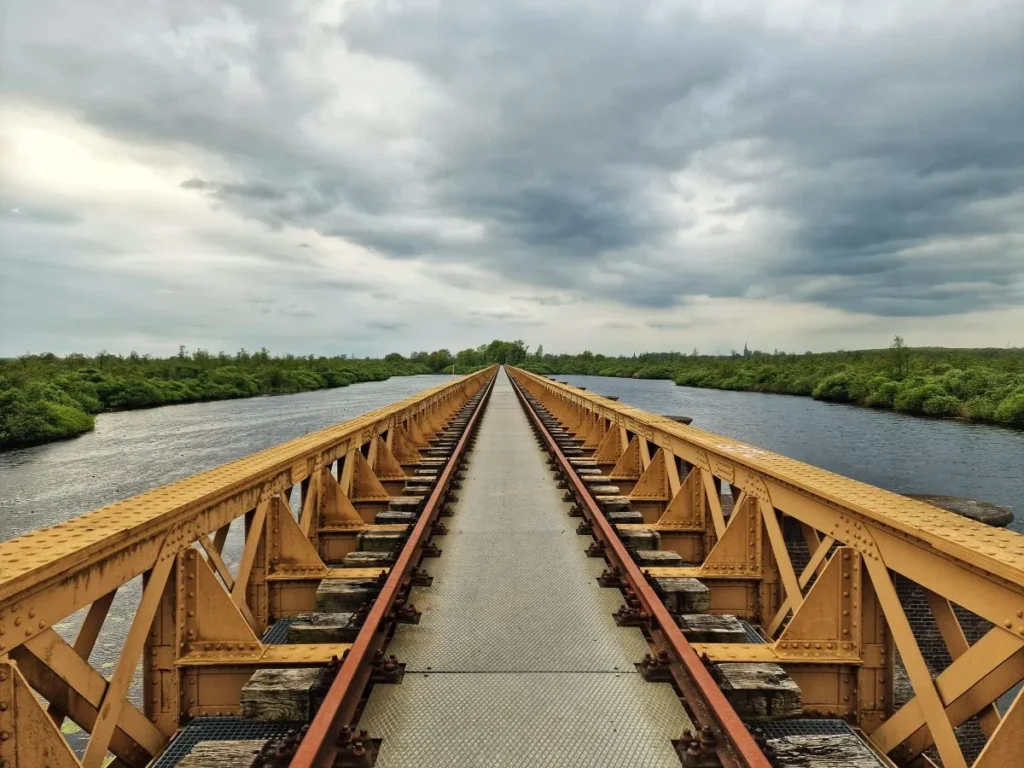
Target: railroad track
718, 729
490, 575
396, 666
424, 721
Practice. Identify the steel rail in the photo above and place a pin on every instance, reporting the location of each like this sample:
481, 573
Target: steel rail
318, 746
993, 553
709, 705
87, 556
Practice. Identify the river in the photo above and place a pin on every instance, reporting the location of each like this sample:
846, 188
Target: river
905, 454
132, 451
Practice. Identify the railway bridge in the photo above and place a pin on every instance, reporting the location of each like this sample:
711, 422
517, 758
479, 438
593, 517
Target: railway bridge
506, 570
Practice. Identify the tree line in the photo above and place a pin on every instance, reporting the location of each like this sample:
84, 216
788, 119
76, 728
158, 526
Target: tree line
984, 385
46, 397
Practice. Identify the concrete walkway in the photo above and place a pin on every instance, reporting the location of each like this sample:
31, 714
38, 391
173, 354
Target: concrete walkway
516, 661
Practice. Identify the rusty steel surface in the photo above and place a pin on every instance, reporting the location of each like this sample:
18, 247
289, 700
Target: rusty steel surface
197, 626
819, 566
319, 745
998, 552
700, 690
124, 537
809, 558
517, 659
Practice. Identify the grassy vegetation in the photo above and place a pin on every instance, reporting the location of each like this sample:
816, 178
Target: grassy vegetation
45, 397
974, 384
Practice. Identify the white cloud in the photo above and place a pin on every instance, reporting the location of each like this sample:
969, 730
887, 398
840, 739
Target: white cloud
423, 173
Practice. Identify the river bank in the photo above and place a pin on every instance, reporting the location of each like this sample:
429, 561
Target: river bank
44, 399
891, 450
976, 385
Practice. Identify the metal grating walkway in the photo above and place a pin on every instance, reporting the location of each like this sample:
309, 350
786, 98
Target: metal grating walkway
516, 660
277, 633
219, 729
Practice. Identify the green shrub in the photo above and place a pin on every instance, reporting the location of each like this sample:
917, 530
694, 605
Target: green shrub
1011, 410
883, 394
842, 387
654, 372
82, 391
119, 394
942, 405
911, 399
24, 421
980, 409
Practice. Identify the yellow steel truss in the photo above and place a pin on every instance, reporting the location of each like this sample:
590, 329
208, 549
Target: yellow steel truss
197, 626
837, 638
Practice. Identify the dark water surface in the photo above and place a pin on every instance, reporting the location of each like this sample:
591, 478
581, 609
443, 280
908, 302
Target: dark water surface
134, 451
905, 454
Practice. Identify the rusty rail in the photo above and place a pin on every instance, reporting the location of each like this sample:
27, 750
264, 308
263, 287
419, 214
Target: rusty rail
197, 626
838, 623
318, 747
734, 743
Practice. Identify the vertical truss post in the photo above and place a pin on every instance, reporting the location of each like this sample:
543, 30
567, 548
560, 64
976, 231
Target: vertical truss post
161, 678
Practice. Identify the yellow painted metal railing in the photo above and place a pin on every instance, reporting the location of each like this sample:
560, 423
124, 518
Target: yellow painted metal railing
833, 618
197, 626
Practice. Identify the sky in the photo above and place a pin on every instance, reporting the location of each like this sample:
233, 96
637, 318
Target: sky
364, 177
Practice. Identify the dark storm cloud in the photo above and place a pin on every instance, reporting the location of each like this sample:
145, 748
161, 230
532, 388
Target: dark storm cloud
865, 143
668, 326
257, 191
295, 311
633, 153
511, 317
548, 300
384, 325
